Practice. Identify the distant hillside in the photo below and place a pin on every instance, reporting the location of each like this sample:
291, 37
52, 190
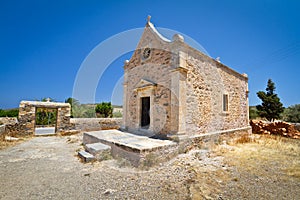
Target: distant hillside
93, 105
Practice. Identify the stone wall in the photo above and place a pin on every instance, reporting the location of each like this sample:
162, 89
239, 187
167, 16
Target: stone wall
297, 126
11, 126
15, 130
207, 82
27, 111
275, 128
95, 124
8, 120
2, 130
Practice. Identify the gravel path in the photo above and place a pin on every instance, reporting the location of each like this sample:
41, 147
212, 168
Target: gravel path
47, 168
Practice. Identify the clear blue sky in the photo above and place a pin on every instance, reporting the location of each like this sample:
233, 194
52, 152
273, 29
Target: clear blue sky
43, 43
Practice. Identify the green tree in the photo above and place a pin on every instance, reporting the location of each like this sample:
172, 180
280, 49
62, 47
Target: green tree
271, 107
104, 109
253, 112
292, 114
74, 103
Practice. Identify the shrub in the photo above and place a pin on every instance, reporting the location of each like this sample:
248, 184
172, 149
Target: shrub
104, 109
292, 114
9, 113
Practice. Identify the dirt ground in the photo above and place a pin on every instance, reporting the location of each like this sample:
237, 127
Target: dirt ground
48, 168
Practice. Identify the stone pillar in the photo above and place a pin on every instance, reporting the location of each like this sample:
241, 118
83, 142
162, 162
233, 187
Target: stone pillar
63, 118
178, 95
178, 101
59, 117
27, 117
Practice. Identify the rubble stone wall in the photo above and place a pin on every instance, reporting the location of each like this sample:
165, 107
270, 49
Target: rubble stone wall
27, 111
8, 120
2, 129
207, 82
95, 124
16, 129
275, 128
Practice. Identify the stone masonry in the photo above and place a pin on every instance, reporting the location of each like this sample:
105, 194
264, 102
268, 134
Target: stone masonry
190, 93
27, 111
96, 124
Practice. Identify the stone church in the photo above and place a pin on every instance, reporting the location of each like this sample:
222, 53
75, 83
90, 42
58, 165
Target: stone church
171, 88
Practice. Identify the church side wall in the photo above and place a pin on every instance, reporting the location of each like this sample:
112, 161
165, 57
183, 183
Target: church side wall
207, 82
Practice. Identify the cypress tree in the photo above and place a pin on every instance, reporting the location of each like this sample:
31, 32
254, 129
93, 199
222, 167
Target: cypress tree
271, 107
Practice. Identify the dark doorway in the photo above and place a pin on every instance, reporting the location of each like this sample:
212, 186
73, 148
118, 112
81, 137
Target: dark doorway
145, 113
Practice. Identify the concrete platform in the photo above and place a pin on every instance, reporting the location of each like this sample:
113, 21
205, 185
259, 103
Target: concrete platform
136, 149
127, 140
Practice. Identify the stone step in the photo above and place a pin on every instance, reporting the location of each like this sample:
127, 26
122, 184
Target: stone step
85, 156
99, 150
44, 131
95, 148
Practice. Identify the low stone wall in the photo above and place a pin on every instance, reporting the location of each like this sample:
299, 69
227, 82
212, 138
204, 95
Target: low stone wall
275, 128
297, 126
209, 140
2, 129
10, 126
15, 130
8, 120
95, 124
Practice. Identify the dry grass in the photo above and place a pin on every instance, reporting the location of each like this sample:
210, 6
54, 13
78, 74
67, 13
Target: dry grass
267, 151
251, 167
246, 138
5, 143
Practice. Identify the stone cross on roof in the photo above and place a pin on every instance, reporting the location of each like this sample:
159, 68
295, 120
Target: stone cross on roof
148, 18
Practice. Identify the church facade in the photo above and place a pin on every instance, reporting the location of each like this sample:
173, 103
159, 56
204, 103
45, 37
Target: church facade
171, 88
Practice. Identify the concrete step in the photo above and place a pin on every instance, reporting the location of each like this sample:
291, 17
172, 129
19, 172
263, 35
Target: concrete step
99, 150
85, 156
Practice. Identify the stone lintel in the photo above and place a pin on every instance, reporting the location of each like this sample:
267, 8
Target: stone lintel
44, 104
